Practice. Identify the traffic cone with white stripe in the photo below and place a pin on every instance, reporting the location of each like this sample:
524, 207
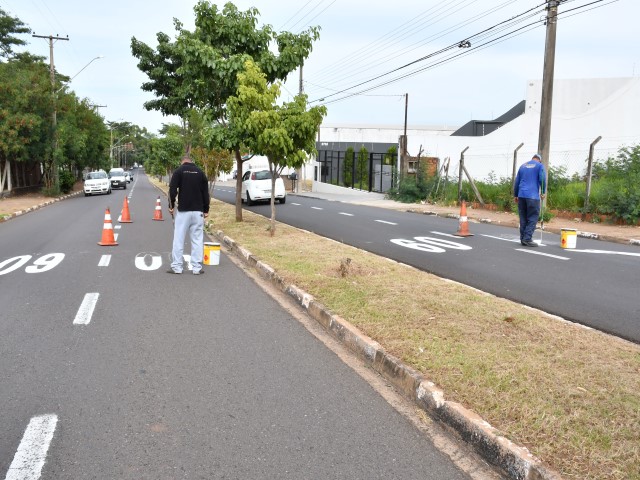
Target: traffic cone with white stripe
125, 216
463, 224
158, 213
108, 239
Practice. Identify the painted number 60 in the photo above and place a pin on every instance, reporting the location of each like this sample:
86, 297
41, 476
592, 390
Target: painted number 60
41, 264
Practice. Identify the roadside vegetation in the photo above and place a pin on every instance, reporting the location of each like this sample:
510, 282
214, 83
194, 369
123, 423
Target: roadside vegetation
615, 190
569, 394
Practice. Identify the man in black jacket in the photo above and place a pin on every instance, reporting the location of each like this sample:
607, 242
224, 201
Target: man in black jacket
190, 185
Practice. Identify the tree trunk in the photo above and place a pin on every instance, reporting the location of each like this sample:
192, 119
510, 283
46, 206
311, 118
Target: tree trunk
238, 185
273, 204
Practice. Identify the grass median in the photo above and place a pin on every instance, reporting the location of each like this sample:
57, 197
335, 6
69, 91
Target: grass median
569, 394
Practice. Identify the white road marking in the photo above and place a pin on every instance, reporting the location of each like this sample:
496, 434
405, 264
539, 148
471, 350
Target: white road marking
117, 227
317, 208
535, 252
346, 214
608, 252
148, 261
445, 234
32, 452
187, 259
115, 236
294, 203
104, 261
388, 223
500, 238
83, 317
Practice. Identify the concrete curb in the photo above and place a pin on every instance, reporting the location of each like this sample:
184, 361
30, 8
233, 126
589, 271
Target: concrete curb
516, 461
8, 217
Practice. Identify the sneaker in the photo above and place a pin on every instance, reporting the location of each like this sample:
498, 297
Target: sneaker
199, 272
531, 244
171, 270
523, 243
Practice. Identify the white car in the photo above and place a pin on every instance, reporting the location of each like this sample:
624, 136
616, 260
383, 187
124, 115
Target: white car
256, 185
118, 178
97, 182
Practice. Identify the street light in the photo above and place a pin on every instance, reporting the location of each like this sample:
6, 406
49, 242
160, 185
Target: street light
92, 60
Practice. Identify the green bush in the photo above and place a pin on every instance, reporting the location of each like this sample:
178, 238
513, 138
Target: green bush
67, 180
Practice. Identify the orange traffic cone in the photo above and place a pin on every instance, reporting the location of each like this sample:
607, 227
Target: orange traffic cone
158, 213
108, 239
125, 217
463, 225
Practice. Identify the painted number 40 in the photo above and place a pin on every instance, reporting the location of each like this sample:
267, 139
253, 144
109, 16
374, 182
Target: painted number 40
39, 265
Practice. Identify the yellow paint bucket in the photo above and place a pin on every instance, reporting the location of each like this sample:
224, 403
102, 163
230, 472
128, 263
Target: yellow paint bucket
568, 237
211, 253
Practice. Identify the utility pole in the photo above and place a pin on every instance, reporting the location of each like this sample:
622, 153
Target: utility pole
52, 71
300, 170
544, 138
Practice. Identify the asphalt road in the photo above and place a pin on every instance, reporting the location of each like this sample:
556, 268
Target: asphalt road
164, 376
596, 284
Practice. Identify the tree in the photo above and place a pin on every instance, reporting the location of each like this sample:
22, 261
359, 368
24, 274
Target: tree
363, 164
199, 71
214, 162
347, 167
9, 26
285, 133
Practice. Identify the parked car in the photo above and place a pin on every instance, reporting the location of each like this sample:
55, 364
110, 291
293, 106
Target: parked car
96, 182
118, 178
256, 185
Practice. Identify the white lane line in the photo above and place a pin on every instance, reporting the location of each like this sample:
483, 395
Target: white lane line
541, 253
388, 223
346, 214
608, 252
83, 317
115, 236
294, 203
187, 260
117, 227
104, 261
501, 238
317, 208
446, 234
32, 452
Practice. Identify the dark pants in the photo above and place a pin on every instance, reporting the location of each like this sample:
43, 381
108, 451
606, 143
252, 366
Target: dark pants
529, 210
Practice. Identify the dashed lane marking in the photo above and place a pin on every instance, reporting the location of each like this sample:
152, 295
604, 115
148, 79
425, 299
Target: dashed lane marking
388, 223
104, 261
32, 452
535, 252
346, 214
83, 317
317, 208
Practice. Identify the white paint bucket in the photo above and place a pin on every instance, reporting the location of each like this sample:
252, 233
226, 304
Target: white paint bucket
211, 253
568, 238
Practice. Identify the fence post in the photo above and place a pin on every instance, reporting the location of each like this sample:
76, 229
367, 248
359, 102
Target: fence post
460, 169
589, 173
515, 161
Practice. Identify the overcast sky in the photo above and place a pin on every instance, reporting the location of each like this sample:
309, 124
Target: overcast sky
359, 40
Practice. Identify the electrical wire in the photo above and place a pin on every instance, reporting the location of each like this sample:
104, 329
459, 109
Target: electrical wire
438, 52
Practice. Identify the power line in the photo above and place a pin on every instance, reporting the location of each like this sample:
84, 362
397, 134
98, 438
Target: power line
502, 38
438, 52
294, 15
316, 16
433, 37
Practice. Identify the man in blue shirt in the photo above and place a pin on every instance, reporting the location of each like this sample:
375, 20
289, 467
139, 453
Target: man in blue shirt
529, 187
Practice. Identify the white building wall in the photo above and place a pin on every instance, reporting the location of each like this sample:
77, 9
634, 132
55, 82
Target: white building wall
583, 109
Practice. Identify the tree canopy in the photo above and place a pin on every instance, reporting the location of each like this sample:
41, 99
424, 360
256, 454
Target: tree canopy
284, 133
200, 69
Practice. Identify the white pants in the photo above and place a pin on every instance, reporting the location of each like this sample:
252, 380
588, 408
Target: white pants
192, 222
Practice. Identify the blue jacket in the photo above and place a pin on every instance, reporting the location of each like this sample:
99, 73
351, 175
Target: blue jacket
530, 181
